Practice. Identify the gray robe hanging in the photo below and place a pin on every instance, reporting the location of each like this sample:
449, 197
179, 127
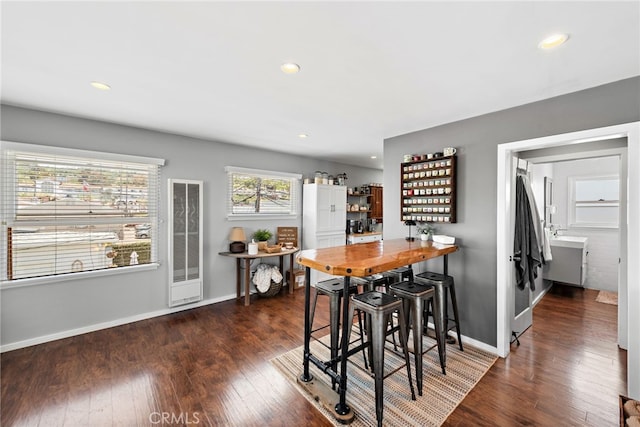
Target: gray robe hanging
526, 252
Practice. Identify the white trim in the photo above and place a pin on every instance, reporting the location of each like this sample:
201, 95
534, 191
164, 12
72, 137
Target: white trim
572, 203
468, 340
503, 252
295, 193
259, 217
47, 280
72, 152
630, 300
110, 324
249, 171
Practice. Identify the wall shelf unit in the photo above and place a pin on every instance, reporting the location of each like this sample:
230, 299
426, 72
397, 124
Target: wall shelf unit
355, 203
428, 192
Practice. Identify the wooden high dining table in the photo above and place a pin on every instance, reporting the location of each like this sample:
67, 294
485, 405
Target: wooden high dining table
358, 260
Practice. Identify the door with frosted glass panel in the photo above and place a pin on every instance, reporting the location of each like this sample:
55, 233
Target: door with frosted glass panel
185, 241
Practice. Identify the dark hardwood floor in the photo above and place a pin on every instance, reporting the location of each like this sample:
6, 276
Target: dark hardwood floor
210, 366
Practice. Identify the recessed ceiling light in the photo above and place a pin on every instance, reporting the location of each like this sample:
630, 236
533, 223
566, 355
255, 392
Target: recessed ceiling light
101, 86
553, 40
374, 157
290, 68
302, 135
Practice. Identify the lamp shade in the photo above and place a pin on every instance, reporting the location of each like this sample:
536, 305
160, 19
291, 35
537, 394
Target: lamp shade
237, 235
237, 238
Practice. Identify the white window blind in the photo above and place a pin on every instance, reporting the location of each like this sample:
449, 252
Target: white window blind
594, 201
70, 211
254, 193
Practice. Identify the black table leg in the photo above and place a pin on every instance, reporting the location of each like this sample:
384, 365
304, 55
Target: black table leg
342, 408
445, 264
306, 376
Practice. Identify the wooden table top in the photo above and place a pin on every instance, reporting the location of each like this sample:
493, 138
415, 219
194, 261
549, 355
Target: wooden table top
365, 259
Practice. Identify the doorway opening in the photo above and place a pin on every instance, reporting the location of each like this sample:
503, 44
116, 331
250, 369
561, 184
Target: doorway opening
629, 289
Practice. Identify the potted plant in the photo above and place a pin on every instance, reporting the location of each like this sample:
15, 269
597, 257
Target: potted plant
426, 230
262, 236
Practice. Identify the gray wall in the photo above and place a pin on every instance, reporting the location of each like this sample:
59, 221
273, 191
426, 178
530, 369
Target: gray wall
477, 138
33, 312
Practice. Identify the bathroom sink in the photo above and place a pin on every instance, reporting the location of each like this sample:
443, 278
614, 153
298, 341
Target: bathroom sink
569, 241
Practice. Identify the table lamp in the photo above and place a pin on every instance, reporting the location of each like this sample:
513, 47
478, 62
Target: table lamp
410, 222
237, 238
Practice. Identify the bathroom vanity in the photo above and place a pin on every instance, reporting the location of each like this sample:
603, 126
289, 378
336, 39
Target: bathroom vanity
569, 263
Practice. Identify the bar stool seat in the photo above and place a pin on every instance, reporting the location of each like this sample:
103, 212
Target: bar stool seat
443, 283
378, 306
399, 274
371, 283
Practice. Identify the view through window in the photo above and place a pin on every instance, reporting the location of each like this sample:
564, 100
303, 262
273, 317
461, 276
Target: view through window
69, 211
261, 193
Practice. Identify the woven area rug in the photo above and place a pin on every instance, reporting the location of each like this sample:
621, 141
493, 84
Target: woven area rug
607, 297
441, 393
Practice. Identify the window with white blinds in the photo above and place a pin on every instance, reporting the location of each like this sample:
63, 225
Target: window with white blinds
254, 193
594, 201
70, 211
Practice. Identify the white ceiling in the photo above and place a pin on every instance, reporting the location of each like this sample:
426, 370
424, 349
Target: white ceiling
370, 70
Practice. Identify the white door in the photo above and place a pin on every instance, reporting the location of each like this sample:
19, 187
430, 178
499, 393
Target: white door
332, 208
325, 208
522, 298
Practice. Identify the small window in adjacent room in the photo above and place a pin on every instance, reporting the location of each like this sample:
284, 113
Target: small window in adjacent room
594, 201
256, 193
70, 212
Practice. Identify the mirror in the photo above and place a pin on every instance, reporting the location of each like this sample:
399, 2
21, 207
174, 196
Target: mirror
549, 207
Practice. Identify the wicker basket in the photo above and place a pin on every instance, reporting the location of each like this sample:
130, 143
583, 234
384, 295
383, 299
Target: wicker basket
274, 287
271, 249
273, 290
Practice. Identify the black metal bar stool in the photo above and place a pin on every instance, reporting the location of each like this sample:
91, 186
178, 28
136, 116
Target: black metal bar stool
378, 306
371, 283
414, 296
399, 274
442, 283
334, 289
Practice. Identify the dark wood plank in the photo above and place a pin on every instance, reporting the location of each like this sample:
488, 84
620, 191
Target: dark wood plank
568, 369
213, 363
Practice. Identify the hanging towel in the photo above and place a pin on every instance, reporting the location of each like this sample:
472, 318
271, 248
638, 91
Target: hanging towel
535, 216
546, 244
526, 252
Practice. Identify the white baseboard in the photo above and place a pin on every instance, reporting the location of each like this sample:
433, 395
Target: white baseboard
477, 344
474, 343
110, 324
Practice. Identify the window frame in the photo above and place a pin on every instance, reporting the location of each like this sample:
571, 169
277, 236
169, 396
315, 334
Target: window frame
8, 209
573, 203
295, 192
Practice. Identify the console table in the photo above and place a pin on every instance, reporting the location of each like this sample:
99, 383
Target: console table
244, 256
